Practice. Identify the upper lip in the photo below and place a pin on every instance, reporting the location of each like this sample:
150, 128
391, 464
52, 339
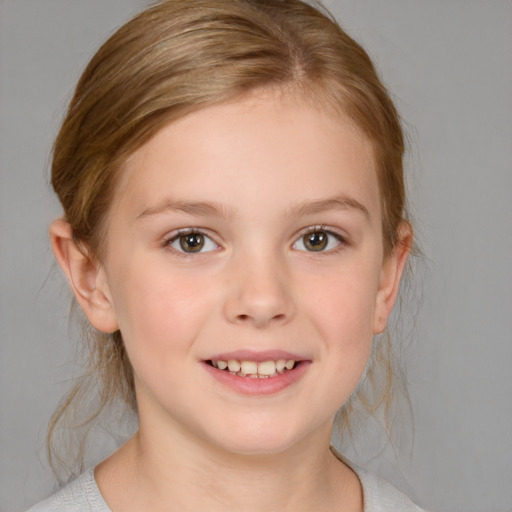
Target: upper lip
257, 356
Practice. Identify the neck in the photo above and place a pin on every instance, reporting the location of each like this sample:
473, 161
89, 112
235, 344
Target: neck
154, 472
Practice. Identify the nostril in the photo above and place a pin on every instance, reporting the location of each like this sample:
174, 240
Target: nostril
245, 318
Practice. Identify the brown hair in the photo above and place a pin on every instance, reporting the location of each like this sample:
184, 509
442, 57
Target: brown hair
177, 57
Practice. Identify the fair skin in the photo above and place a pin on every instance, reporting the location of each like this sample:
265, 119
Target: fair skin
210, 256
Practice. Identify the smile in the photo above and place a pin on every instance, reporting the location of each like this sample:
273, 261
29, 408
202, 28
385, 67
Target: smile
256, 373
254, 369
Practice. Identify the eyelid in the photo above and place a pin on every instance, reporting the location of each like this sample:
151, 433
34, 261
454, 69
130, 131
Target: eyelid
171, 237
341, 237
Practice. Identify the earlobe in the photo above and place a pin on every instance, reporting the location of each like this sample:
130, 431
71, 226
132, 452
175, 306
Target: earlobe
86, 277
391, 274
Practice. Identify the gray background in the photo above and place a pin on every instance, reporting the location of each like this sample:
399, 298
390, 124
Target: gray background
448, 64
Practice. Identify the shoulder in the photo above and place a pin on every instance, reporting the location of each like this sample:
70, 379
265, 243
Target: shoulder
81, 495
379, 495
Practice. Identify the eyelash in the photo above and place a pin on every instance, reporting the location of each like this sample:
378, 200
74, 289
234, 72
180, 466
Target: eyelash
341, 240
174, 237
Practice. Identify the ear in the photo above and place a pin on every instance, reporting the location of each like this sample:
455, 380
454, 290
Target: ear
86, 277
391, 273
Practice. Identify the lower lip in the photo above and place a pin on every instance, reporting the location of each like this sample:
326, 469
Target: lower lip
252, 386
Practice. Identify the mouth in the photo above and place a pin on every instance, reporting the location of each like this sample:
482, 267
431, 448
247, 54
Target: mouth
257, 372
254, 369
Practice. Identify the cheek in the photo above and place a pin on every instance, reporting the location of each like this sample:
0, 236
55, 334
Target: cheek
342, 304
159, 316
342, 311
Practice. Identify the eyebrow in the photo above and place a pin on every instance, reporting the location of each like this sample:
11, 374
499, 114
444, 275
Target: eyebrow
197, 208
333, 203
211, 209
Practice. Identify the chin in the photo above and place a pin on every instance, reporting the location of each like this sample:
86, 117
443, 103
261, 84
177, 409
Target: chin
254, 438
258, 447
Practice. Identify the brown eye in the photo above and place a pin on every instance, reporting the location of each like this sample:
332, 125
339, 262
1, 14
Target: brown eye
191, 242
319, 240
316, 241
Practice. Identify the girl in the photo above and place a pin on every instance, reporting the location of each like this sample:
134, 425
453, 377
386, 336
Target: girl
235, 231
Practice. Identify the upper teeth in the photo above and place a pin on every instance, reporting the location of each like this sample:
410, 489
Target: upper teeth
253, 368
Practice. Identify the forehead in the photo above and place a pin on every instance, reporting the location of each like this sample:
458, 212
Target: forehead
266, 147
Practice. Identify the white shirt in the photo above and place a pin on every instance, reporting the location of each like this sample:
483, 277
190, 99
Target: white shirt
83, 495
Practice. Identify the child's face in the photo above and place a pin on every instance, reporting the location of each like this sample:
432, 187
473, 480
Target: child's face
248, 231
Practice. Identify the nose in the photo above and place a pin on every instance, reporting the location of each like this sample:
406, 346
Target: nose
259, 293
